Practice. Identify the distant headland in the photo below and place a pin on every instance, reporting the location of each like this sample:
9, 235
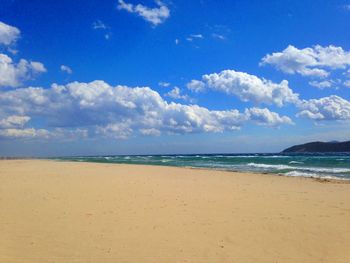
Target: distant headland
319, 147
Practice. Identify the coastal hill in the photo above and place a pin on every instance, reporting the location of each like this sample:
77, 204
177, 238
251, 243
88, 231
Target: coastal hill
319, 147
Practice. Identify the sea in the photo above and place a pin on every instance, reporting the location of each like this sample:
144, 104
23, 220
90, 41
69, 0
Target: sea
316, 165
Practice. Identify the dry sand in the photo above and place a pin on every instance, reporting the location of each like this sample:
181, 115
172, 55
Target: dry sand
62, 212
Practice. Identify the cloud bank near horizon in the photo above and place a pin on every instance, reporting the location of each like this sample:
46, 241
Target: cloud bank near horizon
117, 112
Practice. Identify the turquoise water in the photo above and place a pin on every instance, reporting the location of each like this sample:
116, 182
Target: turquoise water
307, 165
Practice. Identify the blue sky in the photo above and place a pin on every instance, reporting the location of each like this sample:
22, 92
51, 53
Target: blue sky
142, 77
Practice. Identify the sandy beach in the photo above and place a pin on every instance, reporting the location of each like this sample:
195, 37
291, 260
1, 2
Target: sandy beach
87, 212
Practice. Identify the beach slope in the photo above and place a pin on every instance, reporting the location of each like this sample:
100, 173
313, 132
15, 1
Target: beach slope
87, 212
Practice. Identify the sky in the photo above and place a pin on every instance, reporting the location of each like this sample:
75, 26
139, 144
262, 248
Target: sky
164, 77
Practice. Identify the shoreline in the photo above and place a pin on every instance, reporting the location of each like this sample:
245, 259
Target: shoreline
320, 178
317, 179
58, 211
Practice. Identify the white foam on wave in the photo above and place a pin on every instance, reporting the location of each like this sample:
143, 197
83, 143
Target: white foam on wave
306, 169
238, 156
311, 175
326, 170
298, 173
295, 162
248, 156
270, 166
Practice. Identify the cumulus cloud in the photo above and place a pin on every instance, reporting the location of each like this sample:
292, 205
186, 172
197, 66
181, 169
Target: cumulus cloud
24, 133
266, 117
155, 16
115, 130
8, 34
196, 85
13, 127
40, 134
13, 121
308, 61
150, 132
14, 74
176, 93
246, 87
325, 109
66, 69
322, 84
120, 111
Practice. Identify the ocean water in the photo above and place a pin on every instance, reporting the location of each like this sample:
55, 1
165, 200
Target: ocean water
328, 165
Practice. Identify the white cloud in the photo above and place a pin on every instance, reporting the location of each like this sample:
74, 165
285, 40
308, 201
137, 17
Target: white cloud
119, 111
98, 24
13, 75
266, 117
150, 132
13, 121
115, 130
37, 67
68, 134
155, 16
125, 6
66, 69
196, 85
24, 133
218, 36
246, 87
309, 61
347, 73
177, 41
164, 84
32, 133
176, 93
347, 83
325, 109
197, 36
321, 84
194, 36
8, 34
12, 51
